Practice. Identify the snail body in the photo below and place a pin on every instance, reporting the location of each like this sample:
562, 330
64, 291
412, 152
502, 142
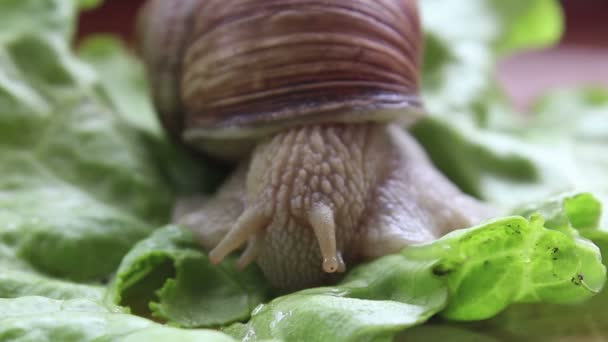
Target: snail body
311, 98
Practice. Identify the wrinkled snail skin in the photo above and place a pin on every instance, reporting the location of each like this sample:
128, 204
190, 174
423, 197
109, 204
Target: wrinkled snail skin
311, 98
372, 181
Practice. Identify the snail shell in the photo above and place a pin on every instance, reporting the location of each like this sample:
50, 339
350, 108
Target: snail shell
233, 69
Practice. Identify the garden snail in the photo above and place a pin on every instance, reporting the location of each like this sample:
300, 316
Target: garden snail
312, 98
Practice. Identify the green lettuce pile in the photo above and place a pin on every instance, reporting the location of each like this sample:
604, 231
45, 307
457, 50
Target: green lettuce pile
87, 179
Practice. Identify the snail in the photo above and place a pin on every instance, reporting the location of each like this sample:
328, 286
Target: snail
313, 100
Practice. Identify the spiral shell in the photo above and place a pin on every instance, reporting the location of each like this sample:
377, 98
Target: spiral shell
240, 68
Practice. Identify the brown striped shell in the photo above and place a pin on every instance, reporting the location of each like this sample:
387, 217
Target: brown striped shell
240, 68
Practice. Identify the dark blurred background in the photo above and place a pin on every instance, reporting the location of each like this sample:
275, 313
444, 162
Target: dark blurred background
581, 58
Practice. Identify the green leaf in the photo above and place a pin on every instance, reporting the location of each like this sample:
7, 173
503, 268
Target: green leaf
77, 185
583, 321
470, 274
122, 79
85, 173
89, 4
15, 283
60, 202
580, 322
50, 17
44, 319
568, 213
475, 156
168, 276
18, 279
445, 332
469, 38
542, 321
124, 86
552, 152
535, 264
376, 301
532, 24
163, 333
498, 24
532, 322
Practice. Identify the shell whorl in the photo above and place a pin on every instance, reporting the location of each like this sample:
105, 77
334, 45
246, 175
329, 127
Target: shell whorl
251, 65
163, 31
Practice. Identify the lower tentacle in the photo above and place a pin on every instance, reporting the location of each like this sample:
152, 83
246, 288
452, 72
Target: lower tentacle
248, 224
252, 251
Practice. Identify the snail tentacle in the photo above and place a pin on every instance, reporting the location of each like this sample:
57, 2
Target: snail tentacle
249, 223
323, 223
252, 251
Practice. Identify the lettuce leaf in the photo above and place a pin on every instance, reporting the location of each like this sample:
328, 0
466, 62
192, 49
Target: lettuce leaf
464, 41
122, 80
553, 152
49, 17
123, 83
168, 276
460, 277
85, 173
17, 283
546, 322
581, 322
39, 318
77, 185
470, 274
555, 322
